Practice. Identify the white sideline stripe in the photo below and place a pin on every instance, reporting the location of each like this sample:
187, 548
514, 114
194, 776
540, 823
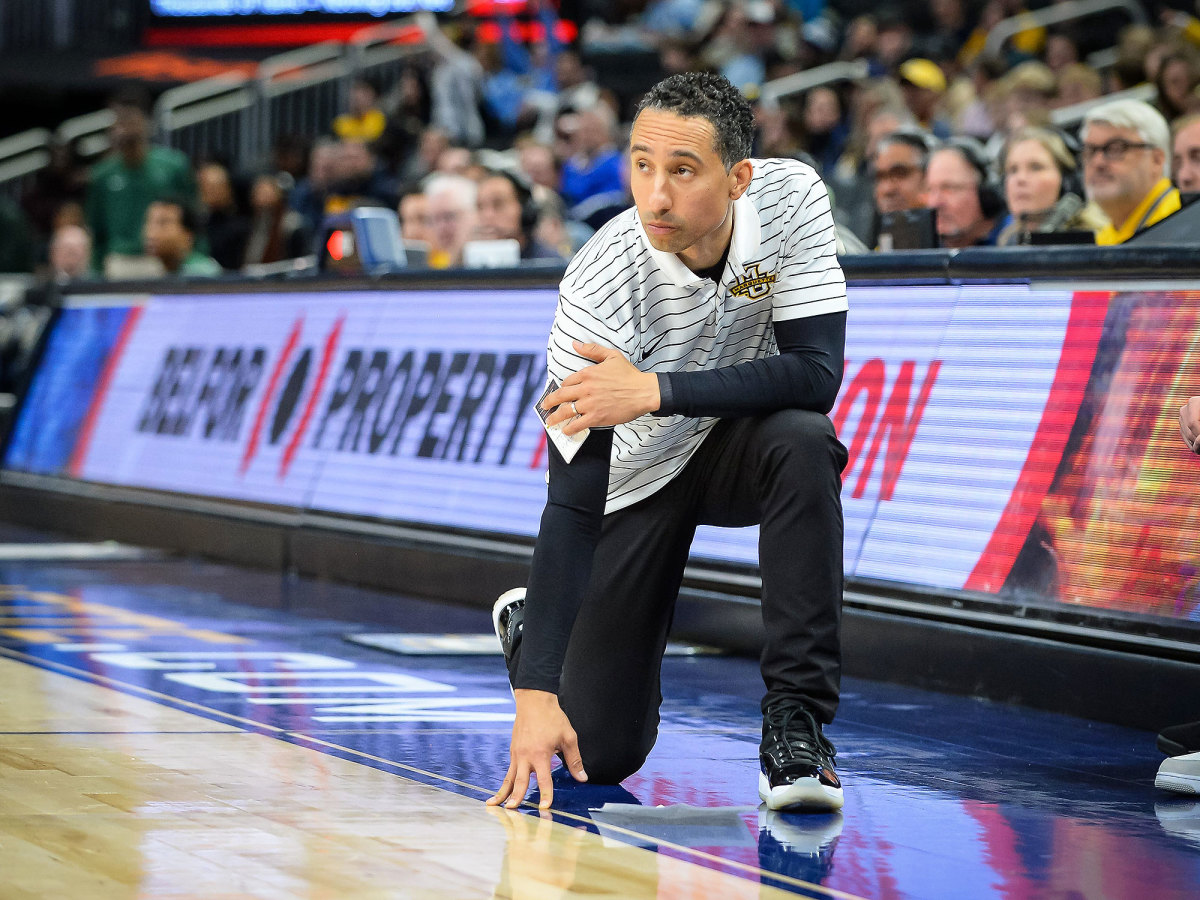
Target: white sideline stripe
475, 645
39, 552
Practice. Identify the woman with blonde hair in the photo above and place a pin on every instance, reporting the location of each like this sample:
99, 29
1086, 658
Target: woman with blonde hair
1042, 187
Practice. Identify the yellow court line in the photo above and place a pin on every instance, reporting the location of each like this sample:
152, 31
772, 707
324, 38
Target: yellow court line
38, 662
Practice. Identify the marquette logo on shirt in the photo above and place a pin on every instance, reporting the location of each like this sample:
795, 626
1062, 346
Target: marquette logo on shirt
753, 284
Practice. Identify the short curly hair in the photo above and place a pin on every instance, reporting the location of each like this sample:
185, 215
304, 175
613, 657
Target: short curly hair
706, 96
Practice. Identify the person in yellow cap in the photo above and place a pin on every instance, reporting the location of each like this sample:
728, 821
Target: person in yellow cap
1125, 156
924, 84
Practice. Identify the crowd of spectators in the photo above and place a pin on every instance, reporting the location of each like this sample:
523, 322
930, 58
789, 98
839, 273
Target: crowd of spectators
512, 134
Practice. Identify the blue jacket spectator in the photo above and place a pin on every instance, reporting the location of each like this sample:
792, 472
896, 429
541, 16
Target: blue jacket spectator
594, 166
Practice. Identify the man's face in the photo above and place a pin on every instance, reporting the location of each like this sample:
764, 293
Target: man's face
1176, 81
952, 188
566, 131
413, 213
537, 162
922, 101
1185, 160
568, 68
130, 129
879, 125
362, 98
593, 134
1118, 184
322, 165
899, 181
432, 144
70, 251
354, 161
499, 209
450, 222
682, 191
822, 111
213, 187
164, 236
266, 194
454, 161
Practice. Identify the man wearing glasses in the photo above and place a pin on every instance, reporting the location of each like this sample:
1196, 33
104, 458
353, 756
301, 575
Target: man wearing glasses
1125, 155
898, 170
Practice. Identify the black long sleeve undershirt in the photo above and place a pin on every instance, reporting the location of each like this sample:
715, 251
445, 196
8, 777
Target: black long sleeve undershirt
562, 558
806, 374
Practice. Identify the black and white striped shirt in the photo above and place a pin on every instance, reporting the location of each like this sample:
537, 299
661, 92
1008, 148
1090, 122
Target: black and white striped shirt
620, 292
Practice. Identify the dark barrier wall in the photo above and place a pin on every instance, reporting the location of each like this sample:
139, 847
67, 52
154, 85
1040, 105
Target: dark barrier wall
1011, 420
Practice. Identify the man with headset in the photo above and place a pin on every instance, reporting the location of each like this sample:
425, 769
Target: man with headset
959, 187
507, 210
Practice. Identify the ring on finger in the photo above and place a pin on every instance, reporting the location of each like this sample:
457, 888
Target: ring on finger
574, 408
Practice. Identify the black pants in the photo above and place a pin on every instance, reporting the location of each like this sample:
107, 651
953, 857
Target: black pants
781, 471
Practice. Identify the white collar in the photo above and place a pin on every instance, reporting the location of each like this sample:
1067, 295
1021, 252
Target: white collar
743, 243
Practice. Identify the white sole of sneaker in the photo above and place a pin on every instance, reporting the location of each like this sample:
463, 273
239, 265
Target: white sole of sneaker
1180, 784
802, 796
1180, 774
502, 601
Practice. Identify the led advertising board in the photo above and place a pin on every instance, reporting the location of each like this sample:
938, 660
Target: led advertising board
1001, 438
192, 23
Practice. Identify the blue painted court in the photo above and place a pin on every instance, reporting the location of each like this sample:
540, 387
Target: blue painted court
945, 796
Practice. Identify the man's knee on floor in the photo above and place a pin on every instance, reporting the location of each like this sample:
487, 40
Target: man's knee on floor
611, 761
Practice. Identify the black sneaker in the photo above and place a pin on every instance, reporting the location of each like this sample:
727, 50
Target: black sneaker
797, 762
508, 614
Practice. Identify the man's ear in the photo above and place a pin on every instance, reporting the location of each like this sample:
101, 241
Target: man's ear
739, 178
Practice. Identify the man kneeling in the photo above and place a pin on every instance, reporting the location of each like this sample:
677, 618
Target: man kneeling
699, 345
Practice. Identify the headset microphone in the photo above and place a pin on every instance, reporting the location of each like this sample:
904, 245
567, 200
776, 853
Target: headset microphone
1067, 207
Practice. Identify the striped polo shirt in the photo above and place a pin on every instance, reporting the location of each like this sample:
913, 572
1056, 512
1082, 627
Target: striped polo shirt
620, 292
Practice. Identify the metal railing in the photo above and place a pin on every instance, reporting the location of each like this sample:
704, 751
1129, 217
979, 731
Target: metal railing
1070, 116
22, 156
300, 92
89, 132
382, 52
1067, 11
213, 118
231, 116
829, 73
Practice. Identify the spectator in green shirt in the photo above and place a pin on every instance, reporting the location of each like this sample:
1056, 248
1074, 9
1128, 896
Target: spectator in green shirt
170, 237
124, 184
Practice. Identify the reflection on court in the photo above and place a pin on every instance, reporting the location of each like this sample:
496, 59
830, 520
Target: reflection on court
222, 749
107, 795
